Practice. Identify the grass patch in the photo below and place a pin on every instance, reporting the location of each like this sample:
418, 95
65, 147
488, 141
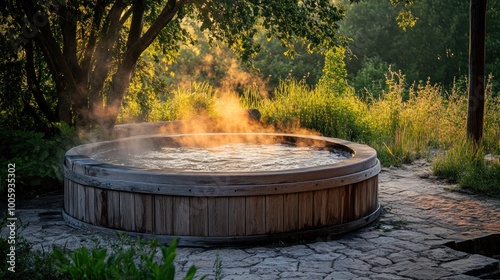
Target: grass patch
465, 165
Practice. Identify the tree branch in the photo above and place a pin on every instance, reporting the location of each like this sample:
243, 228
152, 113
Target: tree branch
67, 23
102, 53
91, 43
52, 48
166, 15
137, 21
34, 85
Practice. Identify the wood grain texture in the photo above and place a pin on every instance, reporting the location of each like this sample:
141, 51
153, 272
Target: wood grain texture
306, 211
255, 215
291, 212
333, 212
163, 215
320, 208
198, 216
80, 202
127, 211
180, 214
144, 212
218, 215
274, 213
90, 205
113, 209
100, 207
237, 216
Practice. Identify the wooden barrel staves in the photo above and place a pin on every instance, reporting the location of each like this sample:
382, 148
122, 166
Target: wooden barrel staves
221, 208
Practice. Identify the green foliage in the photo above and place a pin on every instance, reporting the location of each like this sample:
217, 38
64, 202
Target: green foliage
322, 109
38, 158
465, 164
235, 23
436, 46
136, 262
198, 99
95, 47
334, 76
273, 65
127, 259
370, 80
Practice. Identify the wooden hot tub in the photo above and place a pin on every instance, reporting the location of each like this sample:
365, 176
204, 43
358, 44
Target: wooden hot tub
221, 208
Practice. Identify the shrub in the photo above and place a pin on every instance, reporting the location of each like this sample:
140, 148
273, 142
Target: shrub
465, 165
127, 259
37, 157
136, 262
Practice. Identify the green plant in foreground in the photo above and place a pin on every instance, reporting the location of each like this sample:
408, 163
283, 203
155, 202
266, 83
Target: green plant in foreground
29, 264
124, 264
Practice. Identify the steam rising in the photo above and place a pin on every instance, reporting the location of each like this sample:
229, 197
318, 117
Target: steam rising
231, 118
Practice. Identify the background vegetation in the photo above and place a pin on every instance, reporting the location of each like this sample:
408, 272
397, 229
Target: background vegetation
401, 91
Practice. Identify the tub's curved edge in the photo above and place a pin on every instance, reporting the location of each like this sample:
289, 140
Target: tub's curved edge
220, 187
77, 159
232, 241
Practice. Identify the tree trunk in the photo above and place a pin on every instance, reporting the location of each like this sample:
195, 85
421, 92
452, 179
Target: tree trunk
477, 56
121, 80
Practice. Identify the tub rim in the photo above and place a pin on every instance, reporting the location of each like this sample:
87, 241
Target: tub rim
79, 167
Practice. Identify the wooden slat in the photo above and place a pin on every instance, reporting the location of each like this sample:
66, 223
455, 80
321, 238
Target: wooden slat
218, 216
237, 216
348, 207
333, 213
255, 215
357, 208
74, 199
90, 205
180, 214
320, 208
81, 203
274, 213
374, 195
101, 207
163, 215
290, 212
343, 202
127, 211
370, 193
306, 214
113, 209
198, 216
67, 196
144, 212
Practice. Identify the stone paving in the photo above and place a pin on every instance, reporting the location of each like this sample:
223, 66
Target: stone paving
420, 215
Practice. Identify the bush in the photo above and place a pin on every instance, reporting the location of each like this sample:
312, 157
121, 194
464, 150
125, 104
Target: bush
37, 158
127, 259
136, 262
465, 165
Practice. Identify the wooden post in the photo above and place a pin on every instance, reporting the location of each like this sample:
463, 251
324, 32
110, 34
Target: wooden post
477, 38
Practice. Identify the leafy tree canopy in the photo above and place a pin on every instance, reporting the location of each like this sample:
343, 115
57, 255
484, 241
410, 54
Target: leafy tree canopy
91, 48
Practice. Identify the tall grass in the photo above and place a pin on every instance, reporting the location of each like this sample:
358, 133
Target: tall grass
402, 124
295, 104
465, 164
197, 99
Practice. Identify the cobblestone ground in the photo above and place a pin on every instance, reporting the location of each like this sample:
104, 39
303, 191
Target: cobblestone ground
420, 215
